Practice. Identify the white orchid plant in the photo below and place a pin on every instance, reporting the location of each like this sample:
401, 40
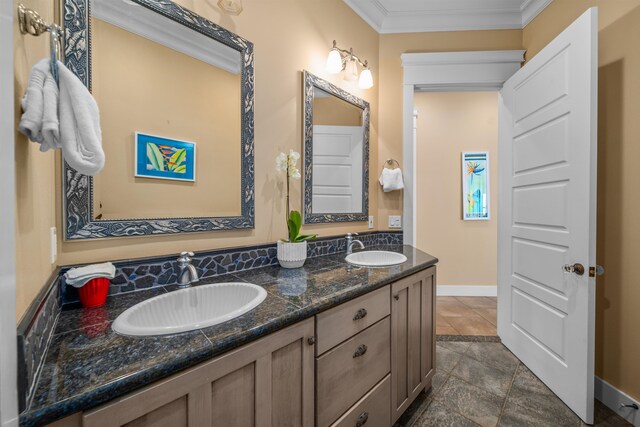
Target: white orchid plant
288, 163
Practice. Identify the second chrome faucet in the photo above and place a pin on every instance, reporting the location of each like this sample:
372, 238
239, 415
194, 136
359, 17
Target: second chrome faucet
351, 241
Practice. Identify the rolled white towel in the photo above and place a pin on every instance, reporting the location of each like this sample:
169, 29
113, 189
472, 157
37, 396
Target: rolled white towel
391, 179
77, 277
80, 133
39, 121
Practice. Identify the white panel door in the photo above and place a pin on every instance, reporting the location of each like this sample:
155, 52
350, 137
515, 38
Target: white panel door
548, 114
337, 169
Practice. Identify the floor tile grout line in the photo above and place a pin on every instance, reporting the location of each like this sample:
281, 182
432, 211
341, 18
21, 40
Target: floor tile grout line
469, 306
506, 397
450, 325
475, 310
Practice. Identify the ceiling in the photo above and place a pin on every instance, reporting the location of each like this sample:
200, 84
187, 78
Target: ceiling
408, 16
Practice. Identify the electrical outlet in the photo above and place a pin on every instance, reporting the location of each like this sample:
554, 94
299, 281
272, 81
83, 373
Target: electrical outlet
395, 221
371, 221
53, 245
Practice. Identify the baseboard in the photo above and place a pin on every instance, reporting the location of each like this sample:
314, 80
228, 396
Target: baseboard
613, 398
467, 290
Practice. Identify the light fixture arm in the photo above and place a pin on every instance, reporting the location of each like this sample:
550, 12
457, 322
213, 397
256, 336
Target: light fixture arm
349, 55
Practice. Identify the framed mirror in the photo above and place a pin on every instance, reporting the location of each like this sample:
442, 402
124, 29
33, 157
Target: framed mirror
176, 97
336, 153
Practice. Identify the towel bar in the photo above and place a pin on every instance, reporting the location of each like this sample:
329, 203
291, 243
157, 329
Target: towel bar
30, 22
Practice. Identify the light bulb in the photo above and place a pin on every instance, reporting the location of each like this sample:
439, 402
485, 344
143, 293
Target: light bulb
366, 79
351, 70
334, 62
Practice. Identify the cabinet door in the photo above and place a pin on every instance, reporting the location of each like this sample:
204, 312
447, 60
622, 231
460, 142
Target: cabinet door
412, 338
266, 383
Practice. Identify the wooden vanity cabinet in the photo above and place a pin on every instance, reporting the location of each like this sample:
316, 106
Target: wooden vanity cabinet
412, 338
266, 383
361, 363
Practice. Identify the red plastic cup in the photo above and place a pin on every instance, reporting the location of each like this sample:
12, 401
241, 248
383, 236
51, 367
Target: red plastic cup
94, 292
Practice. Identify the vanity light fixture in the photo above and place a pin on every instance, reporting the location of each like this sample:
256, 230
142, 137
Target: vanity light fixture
340, 59
232, 7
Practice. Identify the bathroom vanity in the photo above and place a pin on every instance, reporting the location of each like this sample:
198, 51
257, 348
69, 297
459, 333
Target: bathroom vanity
354, 346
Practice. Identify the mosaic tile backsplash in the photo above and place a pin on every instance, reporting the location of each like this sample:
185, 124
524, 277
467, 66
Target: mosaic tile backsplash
135, 275
33, 339
138, 275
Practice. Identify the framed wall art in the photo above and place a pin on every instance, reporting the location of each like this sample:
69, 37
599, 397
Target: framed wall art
475, 185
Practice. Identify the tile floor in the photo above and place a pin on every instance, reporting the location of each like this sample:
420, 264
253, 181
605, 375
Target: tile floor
466, 316
484, 384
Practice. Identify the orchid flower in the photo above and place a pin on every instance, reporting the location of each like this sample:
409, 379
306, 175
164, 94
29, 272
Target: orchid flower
289, 163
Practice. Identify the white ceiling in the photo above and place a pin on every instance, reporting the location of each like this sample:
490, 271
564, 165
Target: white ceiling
408, 16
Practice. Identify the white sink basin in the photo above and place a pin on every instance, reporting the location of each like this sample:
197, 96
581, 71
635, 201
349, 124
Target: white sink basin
375, 258
189, 309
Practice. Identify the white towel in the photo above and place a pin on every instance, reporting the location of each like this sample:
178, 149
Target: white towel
77, 277
80, 133
39, 122
391, 179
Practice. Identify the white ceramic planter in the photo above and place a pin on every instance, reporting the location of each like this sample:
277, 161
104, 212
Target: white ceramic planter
292, 255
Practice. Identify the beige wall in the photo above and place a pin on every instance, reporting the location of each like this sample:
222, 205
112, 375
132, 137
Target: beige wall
618, 233
332, 111
390, 90
448, 124
36, 205
289, 36
166, 93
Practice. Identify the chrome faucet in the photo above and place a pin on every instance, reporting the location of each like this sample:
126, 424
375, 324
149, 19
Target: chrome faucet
188, 273
351, 241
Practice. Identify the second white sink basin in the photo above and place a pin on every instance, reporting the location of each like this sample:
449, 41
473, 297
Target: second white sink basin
375, 258
189, 309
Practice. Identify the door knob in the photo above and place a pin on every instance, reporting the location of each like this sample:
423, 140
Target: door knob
576, 268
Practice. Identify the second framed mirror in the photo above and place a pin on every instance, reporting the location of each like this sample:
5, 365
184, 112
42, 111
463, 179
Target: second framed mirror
336, 153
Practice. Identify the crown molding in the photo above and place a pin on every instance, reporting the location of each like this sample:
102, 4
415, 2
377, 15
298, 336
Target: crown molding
532, 8
371, 11
435, 16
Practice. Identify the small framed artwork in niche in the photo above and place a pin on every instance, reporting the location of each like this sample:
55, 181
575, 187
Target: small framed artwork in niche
164, 158
475, 186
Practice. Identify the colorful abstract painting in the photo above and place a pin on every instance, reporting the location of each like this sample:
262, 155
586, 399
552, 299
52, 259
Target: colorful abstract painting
475, 185
164, 158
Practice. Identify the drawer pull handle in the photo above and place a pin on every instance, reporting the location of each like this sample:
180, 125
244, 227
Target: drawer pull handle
362, 349
360, 314
311, 340
396, 297
362, 419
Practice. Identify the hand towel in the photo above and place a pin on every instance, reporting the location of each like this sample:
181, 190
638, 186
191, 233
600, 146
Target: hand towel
77, 277
391, 179
39, 121
80, 133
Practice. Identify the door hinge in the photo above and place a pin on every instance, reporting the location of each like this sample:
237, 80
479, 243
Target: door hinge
598, 270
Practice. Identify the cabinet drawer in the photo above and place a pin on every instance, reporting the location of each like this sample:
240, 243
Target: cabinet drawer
372, 410
346, 320
345, 373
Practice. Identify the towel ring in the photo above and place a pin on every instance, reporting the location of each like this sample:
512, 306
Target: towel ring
390, 161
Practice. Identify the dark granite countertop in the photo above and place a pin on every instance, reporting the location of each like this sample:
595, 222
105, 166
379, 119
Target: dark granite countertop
88, 364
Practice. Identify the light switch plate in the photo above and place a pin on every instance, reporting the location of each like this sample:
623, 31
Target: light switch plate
53, 245
395, 221
371, 222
